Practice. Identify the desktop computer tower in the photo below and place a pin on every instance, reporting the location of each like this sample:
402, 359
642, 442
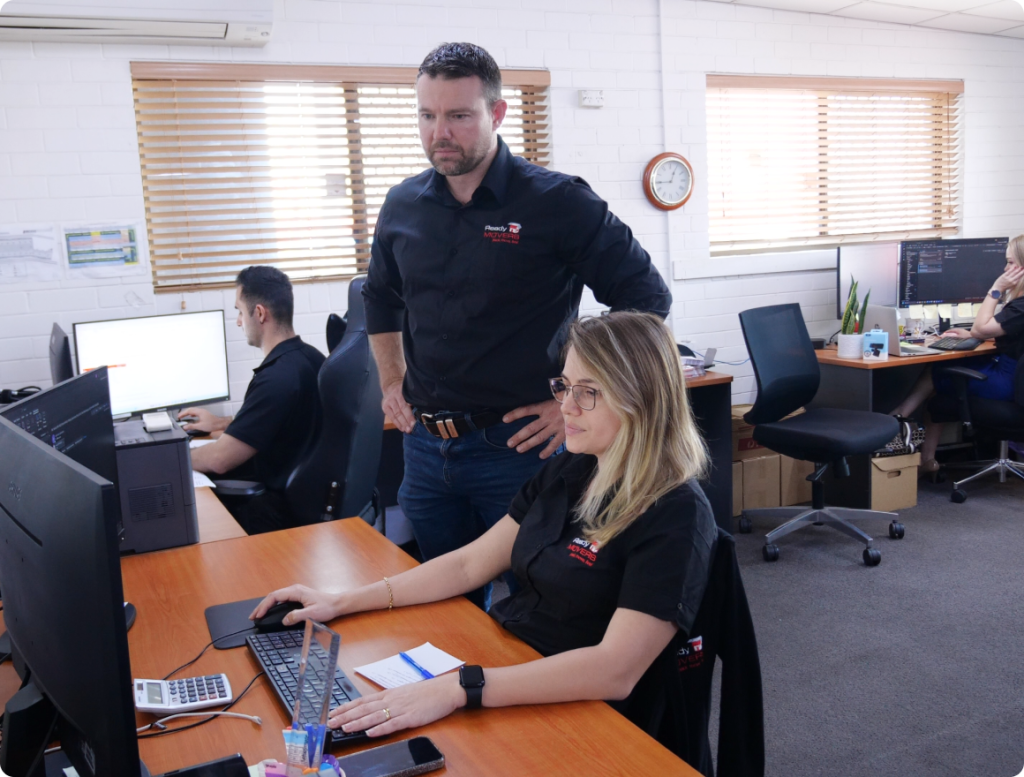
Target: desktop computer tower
158, 502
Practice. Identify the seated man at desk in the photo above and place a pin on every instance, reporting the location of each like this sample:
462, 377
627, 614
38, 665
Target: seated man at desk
281, 411
611, 544
1006, 326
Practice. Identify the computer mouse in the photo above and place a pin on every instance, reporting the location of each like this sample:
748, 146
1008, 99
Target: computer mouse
271, 621
196, 433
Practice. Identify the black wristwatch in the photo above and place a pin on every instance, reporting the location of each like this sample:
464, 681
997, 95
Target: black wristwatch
995, 294
472, 679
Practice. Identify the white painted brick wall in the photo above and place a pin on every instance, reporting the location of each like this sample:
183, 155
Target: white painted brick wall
68, 149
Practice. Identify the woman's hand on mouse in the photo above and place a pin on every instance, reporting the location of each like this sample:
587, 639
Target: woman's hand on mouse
316, 605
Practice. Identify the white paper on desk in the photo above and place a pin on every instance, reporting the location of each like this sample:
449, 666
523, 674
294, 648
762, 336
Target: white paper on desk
199, 480
395, 671
193, 443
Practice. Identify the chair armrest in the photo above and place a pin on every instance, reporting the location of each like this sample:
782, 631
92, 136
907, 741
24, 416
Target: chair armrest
248, 488
966, 372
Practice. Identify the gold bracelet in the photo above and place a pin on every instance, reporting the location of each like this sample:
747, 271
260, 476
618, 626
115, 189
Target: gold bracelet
391, 595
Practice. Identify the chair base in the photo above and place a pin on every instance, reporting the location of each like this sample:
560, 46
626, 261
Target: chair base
799, 517
1003, 465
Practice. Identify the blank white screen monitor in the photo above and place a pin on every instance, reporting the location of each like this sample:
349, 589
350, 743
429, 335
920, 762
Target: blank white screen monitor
157, 361
875, 267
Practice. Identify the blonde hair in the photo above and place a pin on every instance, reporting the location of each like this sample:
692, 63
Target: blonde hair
658, 447
1016, 251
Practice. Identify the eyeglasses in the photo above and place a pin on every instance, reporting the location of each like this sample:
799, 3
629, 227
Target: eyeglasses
584, 396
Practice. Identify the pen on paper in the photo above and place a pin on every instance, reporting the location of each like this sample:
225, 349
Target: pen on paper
426, 675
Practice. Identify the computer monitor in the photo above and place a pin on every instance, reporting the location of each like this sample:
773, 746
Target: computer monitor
60, 356
63, 607
158, 361
937, 272
875, 267
74, 418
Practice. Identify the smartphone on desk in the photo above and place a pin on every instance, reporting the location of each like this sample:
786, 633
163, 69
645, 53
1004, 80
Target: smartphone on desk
398, 759
232, 766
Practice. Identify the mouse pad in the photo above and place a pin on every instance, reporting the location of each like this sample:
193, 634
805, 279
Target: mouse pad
226, 620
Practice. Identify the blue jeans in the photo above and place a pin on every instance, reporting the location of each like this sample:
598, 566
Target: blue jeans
455, 490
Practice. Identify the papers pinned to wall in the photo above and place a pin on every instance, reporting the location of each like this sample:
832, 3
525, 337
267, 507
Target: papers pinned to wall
103, 252
29, 254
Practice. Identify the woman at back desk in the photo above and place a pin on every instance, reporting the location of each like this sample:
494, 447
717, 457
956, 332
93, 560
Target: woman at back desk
1006, 326
610, 542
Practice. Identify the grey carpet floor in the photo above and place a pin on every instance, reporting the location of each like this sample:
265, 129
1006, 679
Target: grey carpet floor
913, 667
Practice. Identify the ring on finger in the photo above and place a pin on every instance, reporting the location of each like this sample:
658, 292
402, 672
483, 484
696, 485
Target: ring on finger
387, 714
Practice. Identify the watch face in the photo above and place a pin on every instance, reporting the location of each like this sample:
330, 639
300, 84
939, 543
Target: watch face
471, 676
670, 181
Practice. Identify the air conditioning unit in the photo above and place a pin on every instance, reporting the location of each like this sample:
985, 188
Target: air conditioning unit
189, 22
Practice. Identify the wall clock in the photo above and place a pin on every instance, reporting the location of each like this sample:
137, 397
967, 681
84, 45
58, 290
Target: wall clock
668, 181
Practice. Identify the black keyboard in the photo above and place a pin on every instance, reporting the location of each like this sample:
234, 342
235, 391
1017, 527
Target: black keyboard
278, 654
955, 344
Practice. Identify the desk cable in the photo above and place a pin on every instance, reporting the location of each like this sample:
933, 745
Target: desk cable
201, 652
206, 715
719, 361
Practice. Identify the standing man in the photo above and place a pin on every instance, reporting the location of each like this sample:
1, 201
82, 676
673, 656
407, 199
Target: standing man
476, 272
281, 411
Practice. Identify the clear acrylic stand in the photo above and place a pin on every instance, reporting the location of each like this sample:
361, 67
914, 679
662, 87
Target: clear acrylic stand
313, 700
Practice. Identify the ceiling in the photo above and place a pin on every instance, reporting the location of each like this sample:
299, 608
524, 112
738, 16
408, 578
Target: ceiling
1002, 17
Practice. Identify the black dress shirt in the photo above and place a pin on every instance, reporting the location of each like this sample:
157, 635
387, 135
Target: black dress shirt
570, 589
484, 293
281, 412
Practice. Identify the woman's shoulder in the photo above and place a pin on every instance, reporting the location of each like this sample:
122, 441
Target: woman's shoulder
683, 510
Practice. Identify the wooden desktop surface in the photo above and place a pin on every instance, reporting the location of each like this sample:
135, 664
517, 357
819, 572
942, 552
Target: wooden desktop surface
215, 522
829, 356
171, 590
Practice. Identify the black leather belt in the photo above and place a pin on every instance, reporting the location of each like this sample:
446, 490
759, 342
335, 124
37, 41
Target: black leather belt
447, 425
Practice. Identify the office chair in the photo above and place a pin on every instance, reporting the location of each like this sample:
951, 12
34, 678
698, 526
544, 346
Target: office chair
788, 375
337, 476
335, 330
982, 419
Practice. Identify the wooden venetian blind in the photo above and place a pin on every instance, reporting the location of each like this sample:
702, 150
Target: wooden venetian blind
796, 162
285, 165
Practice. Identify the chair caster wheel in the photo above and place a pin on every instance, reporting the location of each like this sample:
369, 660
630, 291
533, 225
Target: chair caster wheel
896, 530
744, 525
872, 557
959, 496
770, 552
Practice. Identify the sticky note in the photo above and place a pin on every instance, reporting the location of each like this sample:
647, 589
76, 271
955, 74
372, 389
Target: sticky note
945, 311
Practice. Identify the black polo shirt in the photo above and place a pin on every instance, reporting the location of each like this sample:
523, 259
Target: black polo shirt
1011, 319
281, 412
570, 589
484, 293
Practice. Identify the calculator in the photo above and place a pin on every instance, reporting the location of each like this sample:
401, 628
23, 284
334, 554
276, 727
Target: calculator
190, 693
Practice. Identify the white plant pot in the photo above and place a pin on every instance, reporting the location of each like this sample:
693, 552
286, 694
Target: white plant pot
851, 347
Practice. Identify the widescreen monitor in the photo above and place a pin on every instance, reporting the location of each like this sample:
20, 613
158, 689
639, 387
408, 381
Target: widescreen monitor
74, 418
937, 272
875, 267
60, 572
157, 361
60, 356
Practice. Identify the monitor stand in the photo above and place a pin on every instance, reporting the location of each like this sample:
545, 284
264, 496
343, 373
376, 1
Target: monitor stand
57, 762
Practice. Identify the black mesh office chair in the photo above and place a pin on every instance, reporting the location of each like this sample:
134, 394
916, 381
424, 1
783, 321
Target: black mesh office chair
788, 375
335, 330
982, 419
337, 476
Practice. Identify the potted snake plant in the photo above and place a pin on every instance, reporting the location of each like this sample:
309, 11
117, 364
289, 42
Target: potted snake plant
851, 336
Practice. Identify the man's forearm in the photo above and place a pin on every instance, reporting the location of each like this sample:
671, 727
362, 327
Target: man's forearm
390, 357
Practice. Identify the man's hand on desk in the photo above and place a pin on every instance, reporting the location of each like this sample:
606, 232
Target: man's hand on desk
408, 706
205, 420
549, 427
316, 605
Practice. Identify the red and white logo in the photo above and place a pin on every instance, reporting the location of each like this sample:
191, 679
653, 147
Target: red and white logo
691, 655
503, 234
584, 551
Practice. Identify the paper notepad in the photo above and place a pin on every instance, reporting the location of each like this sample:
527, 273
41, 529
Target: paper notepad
395, 671
199, 480
194, 443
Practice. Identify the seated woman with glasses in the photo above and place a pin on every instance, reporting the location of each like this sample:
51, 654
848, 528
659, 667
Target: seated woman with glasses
610, 542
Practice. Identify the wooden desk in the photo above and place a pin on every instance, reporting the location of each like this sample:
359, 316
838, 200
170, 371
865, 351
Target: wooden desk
215, 522
711, 400
171, 589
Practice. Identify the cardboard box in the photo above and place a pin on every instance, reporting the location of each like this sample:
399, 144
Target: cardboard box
894, 482
761, 482
794, 488
743, 444
737, 488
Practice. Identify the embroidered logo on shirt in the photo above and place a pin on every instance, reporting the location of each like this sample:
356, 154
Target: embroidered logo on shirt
690, 655
505, 234
584, 551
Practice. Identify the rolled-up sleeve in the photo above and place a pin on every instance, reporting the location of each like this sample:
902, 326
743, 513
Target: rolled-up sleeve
382, 292
603, 252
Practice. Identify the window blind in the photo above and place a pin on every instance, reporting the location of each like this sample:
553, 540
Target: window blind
285, 165
796, 162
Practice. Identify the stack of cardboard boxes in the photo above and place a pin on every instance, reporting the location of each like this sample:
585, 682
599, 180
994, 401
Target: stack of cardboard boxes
761, 478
